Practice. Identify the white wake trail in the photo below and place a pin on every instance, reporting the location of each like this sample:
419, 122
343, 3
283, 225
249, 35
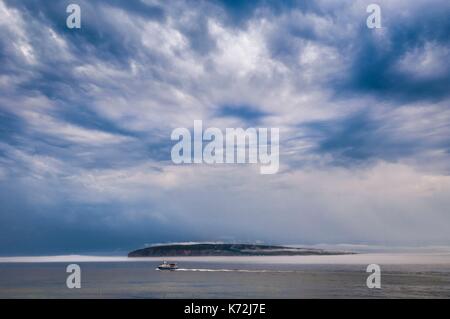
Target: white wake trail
234, 270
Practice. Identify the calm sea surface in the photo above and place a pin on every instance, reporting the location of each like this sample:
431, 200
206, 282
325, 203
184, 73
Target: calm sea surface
402, 276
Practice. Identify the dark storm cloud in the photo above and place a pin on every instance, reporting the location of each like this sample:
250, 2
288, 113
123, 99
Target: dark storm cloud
100, 38
374, 63
361, 137
240, 12
9, 126
62, 227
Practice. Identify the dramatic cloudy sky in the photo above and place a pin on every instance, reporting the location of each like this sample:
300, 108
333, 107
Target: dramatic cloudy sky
86, 117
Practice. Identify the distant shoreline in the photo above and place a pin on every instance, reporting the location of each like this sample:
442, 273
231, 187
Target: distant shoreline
216, 249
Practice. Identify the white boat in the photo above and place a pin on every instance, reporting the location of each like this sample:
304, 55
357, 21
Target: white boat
168, 266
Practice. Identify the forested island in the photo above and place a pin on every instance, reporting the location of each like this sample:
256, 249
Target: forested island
228, 250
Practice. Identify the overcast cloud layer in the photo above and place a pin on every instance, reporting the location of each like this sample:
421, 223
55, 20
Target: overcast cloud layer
86, 117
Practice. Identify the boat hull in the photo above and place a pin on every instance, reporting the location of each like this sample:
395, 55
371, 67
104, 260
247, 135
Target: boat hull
167, 268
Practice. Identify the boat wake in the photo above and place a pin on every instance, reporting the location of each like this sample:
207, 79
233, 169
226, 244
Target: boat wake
235, 270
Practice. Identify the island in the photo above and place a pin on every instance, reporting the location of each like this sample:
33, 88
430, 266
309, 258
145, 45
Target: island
175, 250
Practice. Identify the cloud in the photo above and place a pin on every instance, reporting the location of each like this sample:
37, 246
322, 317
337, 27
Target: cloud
86, 117
379, 56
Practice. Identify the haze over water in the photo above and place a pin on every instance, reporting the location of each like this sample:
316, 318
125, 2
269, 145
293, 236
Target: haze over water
404, 275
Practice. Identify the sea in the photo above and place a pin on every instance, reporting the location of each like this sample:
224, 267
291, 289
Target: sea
402, 275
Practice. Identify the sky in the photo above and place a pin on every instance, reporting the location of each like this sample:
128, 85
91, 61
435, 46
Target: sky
86, 116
